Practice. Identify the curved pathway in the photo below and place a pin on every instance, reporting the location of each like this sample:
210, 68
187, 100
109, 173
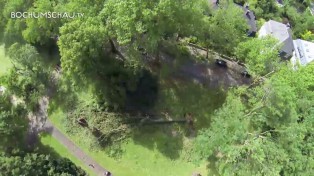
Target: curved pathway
74, 149
39, 122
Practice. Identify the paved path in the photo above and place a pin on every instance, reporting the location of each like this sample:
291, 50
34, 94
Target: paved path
74, 149
207, 72
39, 123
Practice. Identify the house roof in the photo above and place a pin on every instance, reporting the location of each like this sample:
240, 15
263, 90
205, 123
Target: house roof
279, 31
304, 51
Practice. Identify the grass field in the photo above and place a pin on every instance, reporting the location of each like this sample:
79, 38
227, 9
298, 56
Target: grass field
154, 151
5, 63
143, 157
49, 141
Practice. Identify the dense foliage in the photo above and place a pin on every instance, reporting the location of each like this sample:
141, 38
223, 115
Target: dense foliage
37, 164
28, 77
260, 55
13, 123
269, 130
106, 128
15, 158
228, 17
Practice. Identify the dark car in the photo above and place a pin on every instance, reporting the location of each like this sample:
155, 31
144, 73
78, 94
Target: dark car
221, 63
107, 173
245, 74
251, 34
142, 50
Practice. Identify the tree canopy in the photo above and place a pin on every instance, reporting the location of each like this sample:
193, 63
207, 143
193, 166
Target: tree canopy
260, 55
28, 78
269, 130
37, 164
148, 23
13, 123
227, 28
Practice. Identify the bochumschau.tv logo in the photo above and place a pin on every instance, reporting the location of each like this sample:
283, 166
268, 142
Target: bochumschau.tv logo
46, 15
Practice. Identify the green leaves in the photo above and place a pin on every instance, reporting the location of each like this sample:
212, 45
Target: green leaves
13, 122
28, 77
227, 28
261, 55
266, 130
147, 22
40, 30
37, 164
217, 139
81, 44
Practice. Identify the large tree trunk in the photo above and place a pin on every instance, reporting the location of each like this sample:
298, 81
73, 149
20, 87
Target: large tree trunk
156, 61
113, 46
161, 122
115, 50
149, 121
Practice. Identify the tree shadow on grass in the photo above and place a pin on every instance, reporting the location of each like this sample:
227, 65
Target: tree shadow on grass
145, 95
63, 96
211, 166
160, 138
123, 89
176, 99
179, 97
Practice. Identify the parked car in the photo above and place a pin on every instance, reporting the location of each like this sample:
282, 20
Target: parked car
107, 173
142, 50
245, 74
221, 63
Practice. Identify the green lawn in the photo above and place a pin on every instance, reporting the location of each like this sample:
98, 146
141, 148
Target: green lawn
179, 97
5, 63
138, 158
154, 151
49, 141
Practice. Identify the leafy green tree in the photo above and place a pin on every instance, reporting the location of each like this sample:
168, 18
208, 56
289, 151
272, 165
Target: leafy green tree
260, 55
265, 9
13, 27
268, 131
81, 45
88, 59
29, 77
107, 127
37, 164
13, 122
227, 28
89, 8
148, 23
40, 30
2, 22
300, 21
308, 35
